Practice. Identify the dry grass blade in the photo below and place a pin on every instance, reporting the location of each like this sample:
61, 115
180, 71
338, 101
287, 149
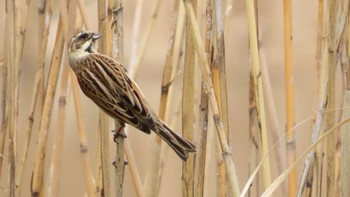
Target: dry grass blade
276, 183
258, 89
226, 153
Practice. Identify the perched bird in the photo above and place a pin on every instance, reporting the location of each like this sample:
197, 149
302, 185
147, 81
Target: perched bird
107, 84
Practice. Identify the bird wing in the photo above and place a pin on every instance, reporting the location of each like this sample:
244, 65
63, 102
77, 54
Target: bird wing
105, 82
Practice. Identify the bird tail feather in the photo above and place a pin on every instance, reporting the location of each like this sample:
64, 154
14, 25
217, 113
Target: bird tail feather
179, 144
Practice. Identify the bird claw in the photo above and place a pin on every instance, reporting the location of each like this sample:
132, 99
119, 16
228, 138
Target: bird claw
119, 133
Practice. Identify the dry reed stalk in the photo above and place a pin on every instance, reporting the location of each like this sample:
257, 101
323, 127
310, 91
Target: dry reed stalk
135, 32
83, 14
35, 102
344, 180
345, 145
226, 153
136, 61
254, 137
188, 103
258, 91
21, 16
99, 178
104, 119
313, 156
314, 159
155, 172
116, 20
88, 176
280, 151
219, 81
200, 159
292, 182
85, 157
330, 116
133, 170
38, 173
55, 165
228, 12
9, 123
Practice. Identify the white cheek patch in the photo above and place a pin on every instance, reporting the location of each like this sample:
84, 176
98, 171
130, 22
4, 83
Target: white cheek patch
86, 45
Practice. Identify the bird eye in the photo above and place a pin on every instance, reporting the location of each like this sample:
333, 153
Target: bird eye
83, 36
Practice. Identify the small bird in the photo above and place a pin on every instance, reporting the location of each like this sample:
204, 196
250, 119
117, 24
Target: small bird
107, 84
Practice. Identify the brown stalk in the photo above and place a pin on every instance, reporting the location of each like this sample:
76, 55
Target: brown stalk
10, 123
188, 103
233, 185
103, 120
200, 159
38, 174
258, 88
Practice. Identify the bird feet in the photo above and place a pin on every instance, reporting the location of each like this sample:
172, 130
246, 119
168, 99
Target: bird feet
119, 133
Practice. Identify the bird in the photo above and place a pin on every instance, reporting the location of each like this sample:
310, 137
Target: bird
106, 82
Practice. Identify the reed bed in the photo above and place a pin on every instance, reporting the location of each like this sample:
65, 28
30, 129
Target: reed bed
226, 75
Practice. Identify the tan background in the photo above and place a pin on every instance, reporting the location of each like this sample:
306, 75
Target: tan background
237, 61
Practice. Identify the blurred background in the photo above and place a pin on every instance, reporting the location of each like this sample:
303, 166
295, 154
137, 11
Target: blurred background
149, 80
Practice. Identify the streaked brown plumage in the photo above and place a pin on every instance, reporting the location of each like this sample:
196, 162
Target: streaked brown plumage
106, 83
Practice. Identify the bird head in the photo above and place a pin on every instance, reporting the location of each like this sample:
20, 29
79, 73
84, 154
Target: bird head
82, 44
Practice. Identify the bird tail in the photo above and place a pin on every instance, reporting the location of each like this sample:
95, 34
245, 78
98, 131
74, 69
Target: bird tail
180, 145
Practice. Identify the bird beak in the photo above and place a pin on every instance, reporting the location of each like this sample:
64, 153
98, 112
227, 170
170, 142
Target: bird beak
96, 36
